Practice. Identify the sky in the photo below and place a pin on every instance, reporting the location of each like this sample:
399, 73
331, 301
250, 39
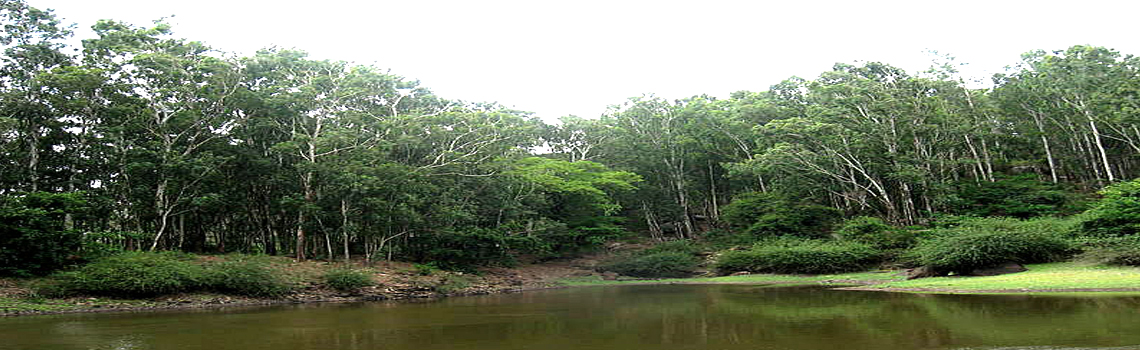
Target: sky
558, 58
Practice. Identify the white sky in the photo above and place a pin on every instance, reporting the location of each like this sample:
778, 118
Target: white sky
578, 56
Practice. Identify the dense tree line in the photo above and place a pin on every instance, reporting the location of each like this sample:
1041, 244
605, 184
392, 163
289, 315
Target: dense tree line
171, 145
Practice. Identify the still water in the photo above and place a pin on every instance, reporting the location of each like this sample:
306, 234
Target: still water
625, 317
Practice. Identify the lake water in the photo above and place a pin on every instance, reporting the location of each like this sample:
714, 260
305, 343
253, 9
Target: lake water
622, 317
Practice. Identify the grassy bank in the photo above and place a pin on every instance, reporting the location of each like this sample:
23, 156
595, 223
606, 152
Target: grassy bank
858, 278
1052, 277
306, 282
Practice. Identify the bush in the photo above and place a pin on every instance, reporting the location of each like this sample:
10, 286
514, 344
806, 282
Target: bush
464, 250
1019, 196
764, 215
130, 274
681, 246
33, 240
980, 243
246, 277
452, 283
662, 264
799, 256
747, 208
873, 231
1113, 251
1117, 213
346, 280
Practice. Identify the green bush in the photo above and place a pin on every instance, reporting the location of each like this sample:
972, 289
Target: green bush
876, 232
1019, 196
347, 280
663, 264
747, 208
130, 274
33, 240
1113, 251
984, 242
452, 283
246, 277
764, 215
680, 246
799, 256
1117, 213
466, 249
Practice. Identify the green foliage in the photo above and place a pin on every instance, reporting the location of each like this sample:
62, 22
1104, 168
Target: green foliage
464, 250
1020, 196
661, 264
1117, 213
664, 260
746, 209
984, 242
130, 274
765, 215
807, 221
876, 232
799, 256
452, 283
248, 277
427, 269
347, 280
1113, 251
679, 246
33, 239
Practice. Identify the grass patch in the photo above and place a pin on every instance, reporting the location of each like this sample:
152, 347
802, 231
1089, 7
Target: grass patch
844, 278
10, 305
1052, 276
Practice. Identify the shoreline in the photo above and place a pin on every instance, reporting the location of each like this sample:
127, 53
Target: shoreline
1053, 279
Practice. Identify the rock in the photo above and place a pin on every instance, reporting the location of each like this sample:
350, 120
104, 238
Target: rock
609, 276
1004, 268
922, 272
740, 273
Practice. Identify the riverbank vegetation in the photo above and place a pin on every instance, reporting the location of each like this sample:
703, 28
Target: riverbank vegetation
138, 140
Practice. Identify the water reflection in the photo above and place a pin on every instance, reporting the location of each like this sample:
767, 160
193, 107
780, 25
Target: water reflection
628, 317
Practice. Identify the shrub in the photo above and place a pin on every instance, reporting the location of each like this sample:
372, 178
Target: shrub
979, 243
33, 240
452, 283
681, 246
464, 250
1019, 196
130, 274
873, 231
764, 215
746, 209
799, 256
246, 277
1113, 251
661, 264
346, 280
1117, 213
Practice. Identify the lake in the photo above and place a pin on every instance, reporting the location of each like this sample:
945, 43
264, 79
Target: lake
617, 317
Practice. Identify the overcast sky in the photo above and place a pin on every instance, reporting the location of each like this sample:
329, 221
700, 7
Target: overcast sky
576, 57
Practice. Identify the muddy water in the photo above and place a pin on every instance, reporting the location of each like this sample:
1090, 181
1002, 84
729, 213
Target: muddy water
626, 317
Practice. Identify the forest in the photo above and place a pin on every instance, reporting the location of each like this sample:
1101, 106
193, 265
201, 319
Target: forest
140, 140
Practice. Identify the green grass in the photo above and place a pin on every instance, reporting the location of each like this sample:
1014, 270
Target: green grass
845, 278
1067, 277
1040, 277
9, 305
